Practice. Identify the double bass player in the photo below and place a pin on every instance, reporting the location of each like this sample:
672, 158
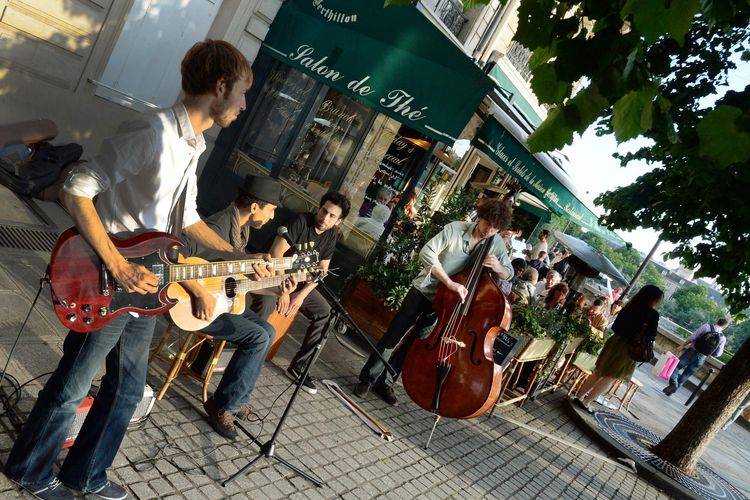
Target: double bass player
445, 254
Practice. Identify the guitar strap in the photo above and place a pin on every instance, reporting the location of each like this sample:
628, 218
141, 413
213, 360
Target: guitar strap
178, 213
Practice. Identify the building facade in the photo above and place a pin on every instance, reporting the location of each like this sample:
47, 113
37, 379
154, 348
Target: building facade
90, 64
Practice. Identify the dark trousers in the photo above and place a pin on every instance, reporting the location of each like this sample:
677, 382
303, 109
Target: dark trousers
253, 337
416, 311
316, 309
123, 347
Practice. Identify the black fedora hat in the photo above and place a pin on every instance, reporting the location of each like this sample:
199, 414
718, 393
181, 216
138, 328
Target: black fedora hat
262, 188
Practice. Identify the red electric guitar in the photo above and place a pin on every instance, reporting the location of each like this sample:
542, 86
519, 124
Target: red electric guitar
86, 297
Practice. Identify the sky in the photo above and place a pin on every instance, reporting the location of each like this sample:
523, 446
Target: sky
594, 170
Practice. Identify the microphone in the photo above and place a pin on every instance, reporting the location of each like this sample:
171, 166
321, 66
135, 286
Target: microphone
281, 231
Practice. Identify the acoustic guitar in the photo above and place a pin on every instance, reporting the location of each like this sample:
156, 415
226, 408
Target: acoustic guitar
230, 293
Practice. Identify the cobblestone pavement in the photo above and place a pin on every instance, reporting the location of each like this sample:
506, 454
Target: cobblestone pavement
175, 454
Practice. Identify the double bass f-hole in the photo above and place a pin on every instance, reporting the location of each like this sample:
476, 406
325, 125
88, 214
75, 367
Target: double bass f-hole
474, 338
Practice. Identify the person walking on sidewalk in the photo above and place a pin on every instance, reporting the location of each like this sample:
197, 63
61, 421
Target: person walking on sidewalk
708, 340
137, 179
614, 361
445, 254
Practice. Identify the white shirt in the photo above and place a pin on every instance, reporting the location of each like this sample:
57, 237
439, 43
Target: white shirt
539, 247
540, 291
139, 173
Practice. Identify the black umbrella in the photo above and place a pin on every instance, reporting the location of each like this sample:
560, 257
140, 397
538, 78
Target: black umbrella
590, 256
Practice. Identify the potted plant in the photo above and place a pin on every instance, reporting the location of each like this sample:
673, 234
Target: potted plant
532, 324
381, 283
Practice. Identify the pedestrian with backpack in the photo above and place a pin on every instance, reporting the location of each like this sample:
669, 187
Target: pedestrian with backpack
708, 340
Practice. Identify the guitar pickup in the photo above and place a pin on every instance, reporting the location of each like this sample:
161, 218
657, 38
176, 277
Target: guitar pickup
158, 270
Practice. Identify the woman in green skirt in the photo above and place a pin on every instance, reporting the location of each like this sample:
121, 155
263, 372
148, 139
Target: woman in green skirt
614, 362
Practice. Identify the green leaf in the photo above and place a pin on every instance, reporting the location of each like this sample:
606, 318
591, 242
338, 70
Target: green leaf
590, 105
553, 133
535, 23
655, 18
632, 114
720, 139
540, 56
545, 85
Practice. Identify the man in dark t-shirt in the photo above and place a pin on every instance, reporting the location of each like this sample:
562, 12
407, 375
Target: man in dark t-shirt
318, 228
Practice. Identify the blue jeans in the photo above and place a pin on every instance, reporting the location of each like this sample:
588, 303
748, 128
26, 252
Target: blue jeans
123, 347
253, 338
690, 361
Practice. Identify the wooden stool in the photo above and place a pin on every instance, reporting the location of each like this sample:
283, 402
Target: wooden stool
633, 387
186, 356
580, 369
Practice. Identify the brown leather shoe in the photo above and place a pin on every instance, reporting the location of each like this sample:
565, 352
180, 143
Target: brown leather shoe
246, 413
221, 420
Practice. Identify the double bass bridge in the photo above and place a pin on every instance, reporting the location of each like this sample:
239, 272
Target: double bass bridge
455, 342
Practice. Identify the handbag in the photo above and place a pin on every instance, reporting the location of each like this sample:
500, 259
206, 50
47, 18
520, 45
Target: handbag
641, 349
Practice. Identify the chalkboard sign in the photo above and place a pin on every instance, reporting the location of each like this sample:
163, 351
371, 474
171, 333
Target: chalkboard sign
393, 171
505, 347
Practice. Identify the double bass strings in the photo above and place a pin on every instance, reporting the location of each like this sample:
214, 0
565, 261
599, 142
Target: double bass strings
448, 349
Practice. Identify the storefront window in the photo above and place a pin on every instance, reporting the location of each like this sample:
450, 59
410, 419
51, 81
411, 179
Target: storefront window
278, 108
320, 156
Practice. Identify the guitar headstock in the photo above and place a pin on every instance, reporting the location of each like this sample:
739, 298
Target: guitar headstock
304, 259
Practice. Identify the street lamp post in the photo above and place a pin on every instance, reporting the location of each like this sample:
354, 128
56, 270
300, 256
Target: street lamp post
641, 268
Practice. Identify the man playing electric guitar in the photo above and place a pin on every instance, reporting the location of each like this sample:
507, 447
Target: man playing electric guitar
138, 179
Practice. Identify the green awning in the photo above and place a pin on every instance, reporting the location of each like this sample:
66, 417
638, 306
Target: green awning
495, 141
391, 58
515, 95
544, 215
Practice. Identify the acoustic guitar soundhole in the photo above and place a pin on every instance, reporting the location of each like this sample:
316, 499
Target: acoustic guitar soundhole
230, 287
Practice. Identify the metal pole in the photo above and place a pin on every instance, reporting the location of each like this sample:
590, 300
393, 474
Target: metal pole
700, 386
640, 269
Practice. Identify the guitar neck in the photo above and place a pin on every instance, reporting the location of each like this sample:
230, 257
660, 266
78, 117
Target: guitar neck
248, 285
185, 272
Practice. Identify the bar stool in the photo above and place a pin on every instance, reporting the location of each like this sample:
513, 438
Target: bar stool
634, 385
181, 362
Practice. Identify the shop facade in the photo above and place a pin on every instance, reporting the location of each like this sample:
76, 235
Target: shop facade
349, 99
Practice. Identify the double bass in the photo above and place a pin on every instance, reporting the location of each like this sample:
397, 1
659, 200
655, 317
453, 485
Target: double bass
451, 373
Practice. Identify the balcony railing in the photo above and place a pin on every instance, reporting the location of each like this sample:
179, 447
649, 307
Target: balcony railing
451, 13
519, 56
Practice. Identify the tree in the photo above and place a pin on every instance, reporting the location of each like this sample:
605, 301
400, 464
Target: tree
691, 307
685, 444
654, 68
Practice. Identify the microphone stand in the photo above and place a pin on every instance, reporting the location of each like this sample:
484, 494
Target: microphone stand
268, 449
341, 312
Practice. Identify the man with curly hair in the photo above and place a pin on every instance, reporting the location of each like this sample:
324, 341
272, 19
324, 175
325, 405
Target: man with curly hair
443, 256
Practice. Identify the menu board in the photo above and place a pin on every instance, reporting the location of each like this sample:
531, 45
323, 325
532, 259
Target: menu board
393, 171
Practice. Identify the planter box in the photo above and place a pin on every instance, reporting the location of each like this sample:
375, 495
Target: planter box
536, 349
367, 311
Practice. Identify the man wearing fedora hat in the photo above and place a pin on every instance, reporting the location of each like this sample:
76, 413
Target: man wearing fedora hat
254, 206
